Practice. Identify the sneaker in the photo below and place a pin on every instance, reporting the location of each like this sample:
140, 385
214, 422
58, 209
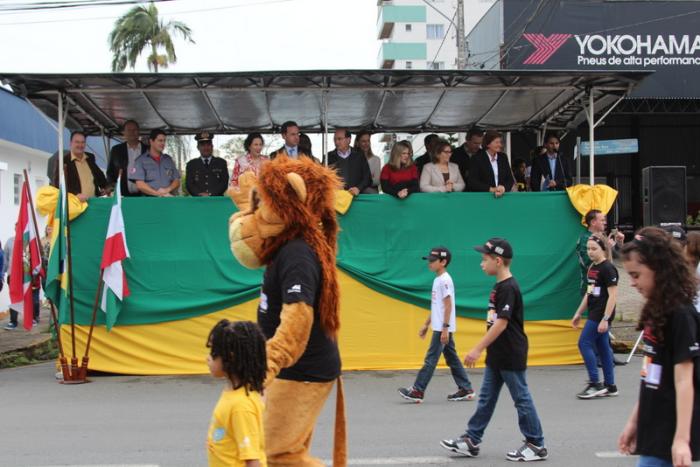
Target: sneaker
462, 395
528, 452
592, 390
411, 394
611, 390
10, 327
462, 445
35, 322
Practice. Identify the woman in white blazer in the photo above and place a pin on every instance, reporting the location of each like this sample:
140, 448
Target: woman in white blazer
441, 175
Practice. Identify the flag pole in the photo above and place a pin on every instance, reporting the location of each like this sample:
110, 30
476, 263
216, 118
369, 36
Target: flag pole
86, 358
100, 285
69, 255
62, 358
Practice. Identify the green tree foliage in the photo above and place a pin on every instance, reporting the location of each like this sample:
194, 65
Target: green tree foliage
139, 30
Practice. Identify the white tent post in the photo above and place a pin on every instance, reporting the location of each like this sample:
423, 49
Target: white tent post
61, 124
591, 136
508, 146
324, 128
105, 142
577, 153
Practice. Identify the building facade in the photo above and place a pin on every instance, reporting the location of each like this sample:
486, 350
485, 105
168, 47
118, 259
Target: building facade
417, 35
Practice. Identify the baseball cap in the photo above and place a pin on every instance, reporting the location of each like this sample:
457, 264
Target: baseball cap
676, 232
439, 252
496, 246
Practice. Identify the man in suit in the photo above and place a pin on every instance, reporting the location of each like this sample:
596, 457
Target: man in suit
350, 164
489, 169
290, 134
463, 154
550, 171
206, 175
429, 141
123, 155
83, 177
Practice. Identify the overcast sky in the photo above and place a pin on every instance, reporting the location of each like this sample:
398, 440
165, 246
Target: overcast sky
230, 35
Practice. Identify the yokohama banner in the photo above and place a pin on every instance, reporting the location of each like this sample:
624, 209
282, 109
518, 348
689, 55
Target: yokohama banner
599, 35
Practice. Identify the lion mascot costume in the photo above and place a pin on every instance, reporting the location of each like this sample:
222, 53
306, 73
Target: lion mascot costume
287, 223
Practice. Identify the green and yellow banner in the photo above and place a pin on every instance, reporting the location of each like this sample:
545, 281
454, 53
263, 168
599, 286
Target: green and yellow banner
183, 277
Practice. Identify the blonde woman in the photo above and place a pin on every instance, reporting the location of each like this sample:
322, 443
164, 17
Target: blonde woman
400, 176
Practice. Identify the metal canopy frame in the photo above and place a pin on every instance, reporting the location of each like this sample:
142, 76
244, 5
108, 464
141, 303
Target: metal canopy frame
411, 101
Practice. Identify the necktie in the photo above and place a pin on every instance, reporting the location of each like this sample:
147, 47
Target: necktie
293, 152
206, 162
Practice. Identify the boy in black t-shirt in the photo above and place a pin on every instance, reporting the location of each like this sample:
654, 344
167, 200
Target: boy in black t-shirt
506, 361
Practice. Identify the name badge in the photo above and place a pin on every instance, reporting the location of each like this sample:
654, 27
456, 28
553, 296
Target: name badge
596, 291
653, 374
263, 302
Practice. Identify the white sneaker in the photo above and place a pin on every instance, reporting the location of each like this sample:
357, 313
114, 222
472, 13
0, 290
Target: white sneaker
528, 452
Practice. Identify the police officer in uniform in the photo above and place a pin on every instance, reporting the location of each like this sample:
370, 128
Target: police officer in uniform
207, 175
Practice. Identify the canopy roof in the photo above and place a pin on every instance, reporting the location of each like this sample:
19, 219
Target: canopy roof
379, 100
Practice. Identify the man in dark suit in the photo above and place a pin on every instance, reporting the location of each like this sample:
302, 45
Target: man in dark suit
463, 154
550, 171
83, 177
290, 134
426, 158
207, 175
350, 164
489, 169
123, 155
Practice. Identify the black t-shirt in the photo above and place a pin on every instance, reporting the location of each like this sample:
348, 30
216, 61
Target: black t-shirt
509, 350
599, 278
293, 276
656, 424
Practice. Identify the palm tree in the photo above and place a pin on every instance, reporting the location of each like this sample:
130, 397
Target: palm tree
140, 29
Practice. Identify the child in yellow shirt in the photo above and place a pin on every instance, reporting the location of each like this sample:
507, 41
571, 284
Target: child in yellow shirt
236, 437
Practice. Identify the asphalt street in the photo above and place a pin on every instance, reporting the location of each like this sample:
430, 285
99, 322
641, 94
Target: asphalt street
162, 420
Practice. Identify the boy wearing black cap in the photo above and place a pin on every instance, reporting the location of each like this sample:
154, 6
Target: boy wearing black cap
443, 320
506, 361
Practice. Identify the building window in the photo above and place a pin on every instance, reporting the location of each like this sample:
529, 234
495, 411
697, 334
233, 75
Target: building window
409, 65
18, 188
437, 66
435, 31
409, 28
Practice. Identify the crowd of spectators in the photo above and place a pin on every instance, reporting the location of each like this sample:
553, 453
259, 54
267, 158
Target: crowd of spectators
478, 165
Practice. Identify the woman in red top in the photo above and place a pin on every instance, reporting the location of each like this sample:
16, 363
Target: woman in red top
400, 177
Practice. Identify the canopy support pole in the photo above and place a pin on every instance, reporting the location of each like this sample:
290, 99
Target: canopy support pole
590, 115
577, 155
324, 128
508, 147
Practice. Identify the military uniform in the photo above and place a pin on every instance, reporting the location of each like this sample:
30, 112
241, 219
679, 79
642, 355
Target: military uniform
206, 174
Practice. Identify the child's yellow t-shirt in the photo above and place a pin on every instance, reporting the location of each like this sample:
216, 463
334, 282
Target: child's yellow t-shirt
236, 430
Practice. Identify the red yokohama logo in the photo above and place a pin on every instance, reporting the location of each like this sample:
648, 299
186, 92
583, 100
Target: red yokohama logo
544, 46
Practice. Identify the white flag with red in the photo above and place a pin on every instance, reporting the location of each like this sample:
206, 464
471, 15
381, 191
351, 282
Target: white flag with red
25, 268
114, 252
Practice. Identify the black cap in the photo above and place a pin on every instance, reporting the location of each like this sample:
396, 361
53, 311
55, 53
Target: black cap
439, 252
676, 232
203, 136
496, 246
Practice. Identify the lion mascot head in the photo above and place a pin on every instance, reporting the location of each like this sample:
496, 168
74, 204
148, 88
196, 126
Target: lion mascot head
289, 199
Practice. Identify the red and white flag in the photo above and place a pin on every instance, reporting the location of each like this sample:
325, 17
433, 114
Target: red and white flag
26, 261
114, 252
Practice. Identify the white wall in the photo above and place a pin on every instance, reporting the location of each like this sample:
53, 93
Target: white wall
13, 159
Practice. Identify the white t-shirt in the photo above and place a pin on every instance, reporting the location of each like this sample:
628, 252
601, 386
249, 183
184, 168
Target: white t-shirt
442, 288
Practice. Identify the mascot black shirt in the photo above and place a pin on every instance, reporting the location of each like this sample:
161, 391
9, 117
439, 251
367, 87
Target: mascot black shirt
293, 276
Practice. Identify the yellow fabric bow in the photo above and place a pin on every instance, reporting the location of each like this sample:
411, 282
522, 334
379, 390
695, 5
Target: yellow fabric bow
343, 200
47, 198
587, 197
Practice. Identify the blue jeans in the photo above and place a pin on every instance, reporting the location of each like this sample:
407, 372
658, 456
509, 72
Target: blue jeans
516, 382
589, 340
451, 358
651, 461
